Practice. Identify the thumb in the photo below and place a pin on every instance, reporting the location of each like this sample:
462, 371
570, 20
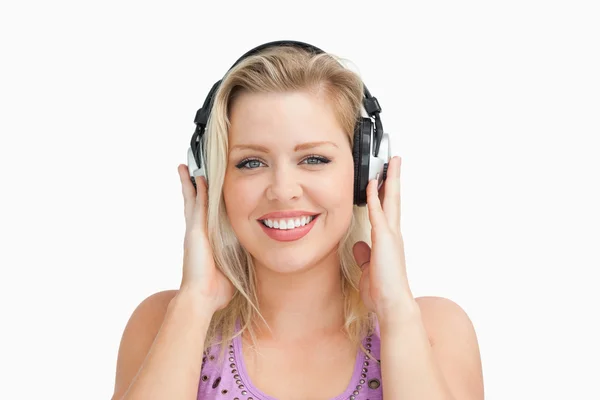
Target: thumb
199, 207
362, 253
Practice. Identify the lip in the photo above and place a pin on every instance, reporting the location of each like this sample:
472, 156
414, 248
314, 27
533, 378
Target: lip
289, 235
287, 214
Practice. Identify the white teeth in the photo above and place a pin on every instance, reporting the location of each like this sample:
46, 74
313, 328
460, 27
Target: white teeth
290, 223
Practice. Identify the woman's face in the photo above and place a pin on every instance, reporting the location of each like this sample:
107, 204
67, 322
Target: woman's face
290, 158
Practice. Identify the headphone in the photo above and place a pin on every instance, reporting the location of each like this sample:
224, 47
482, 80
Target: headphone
371, 147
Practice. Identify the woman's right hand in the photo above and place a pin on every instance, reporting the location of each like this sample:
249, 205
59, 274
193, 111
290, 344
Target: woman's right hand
200, 274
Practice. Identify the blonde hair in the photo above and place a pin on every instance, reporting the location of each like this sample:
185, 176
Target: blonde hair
278, 69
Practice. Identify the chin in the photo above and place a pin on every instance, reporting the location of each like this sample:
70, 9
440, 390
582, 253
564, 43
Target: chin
294, 255
287, 261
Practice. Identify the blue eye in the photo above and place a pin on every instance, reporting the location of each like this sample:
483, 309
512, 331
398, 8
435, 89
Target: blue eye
249, 163
253, 163
315, 160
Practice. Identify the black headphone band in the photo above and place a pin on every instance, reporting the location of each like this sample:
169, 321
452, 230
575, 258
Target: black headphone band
370, 102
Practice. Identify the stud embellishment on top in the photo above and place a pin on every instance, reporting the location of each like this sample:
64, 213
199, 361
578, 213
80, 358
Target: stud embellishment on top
374, 383
364, 371
235, 374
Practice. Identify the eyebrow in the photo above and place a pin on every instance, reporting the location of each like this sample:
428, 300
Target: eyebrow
302, 146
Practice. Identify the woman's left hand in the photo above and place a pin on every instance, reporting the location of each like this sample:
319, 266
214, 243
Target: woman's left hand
384, 284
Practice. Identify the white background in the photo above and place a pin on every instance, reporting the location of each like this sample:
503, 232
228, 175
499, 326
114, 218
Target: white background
494, 107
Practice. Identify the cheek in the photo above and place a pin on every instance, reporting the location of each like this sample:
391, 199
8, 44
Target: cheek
336, 192
240, 198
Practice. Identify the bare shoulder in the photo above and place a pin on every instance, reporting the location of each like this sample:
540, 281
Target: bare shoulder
454, 343
151, 310
437, 311
444, 319
138, 336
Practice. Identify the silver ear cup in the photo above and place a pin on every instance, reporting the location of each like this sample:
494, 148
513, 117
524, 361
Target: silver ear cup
378, 164
195, 172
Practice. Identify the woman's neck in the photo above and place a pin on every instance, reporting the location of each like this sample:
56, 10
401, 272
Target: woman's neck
300, 305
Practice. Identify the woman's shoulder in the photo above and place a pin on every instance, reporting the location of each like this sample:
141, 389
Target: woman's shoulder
150, 312
164, 296
147, 317
138, 335
161, 298
153, 308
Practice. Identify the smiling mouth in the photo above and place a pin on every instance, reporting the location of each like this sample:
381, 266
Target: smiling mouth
287, 224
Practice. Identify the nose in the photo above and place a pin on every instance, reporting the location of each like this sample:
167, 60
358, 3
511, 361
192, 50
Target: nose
284, 185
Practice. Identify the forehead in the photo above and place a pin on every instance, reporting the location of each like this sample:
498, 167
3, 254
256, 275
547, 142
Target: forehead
283, 118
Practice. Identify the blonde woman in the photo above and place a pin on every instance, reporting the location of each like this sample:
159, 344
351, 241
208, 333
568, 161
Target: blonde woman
293, 288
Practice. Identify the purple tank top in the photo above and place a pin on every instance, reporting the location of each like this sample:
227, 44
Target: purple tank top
230, 380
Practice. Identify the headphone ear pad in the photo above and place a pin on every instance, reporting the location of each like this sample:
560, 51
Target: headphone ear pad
197, 162
361, 155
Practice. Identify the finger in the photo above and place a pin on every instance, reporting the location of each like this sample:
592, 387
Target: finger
391, 201
187, 189
201, 206
362, 253
186, 184
376, 215
382, 191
